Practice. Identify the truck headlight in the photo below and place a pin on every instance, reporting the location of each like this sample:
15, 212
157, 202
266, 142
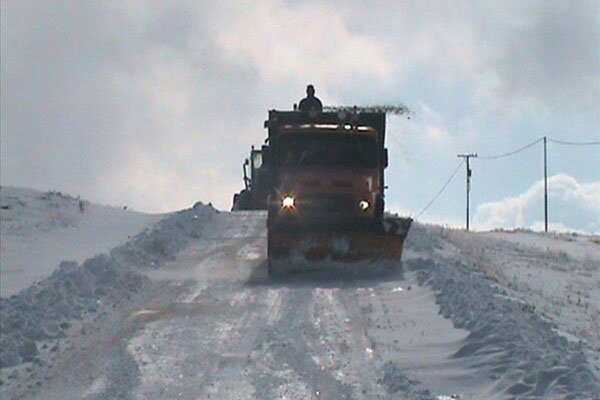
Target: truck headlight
287, 202
363, 205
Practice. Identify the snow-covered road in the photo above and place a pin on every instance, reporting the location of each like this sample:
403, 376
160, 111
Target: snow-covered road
212, 325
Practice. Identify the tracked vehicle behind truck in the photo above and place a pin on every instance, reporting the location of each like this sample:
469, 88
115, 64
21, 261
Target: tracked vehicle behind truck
326, 200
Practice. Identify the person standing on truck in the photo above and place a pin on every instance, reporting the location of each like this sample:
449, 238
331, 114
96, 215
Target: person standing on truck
310, 102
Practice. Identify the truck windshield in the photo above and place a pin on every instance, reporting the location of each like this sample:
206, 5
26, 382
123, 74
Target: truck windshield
328, 149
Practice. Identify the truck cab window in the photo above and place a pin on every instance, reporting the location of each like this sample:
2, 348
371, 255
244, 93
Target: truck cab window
328, 149
257, 159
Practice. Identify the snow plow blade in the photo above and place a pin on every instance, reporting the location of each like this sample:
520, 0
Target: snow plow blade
307, 250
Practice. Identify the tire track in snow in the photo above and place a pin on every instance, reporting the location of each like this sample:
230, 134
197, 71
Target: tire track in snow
291, 344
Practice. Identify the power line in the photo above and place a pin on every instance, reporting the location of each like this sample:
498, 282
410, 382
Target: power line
520, 149
510, 153
441, 190
573, 143
545, 140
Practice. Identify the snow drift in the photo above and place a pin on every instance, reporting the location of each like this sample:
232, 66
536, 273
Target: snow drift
47, 309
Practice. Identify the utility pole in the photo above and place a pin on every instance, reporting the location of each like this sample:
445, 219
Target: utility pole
545, 189
467, 157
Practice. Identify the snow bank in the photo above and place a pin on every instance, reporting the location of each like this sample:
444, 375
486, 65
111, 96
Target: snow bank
574, 245
39, 230
397, 383
48, 309
521, 352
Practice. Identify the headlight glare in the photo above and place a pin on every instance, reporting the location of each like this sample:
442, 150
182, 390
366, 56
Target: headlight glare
287, 202
363, 205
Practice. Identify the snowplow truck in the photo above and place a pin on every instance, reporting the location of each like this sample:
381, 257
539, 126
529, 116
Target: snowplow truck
256, 184
326, 197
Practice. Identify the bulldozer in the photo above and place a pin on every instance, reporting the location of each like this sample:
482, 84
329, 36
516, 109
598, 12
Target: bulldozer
256, 184
325, 199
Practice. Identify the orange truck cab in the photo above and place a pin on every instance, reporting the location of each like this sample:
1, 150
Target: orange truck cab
326, 175
326, 197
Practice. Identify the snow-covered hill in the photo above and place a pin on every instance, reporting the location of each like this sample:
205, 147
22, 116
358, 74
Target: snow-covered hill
185, 310
38, 230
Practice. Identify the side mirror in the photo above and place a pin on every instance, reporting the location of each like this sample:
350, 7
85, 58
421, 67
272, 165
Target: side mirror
384, 159
246, 161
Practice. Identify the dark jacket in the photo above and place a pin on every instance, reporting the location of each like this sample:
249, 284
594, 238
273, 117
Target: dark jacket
310, 102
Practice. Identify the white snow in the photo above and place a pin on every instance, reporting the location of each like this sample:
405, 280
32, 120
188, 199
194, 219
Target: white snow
39, 230
575, 245
555, 274
503, 314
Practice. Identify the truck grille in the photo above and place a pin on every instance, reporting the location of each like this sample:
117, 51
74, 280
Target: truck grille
326, 205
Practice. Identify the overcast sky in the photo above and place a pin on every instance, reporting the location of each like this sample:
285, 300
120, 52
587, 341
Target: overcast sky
155, 104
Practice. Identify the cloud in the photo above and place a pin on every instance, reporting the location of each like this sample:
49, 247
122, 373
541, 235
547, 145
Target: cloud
572, 206
436, 135
155, 104
427, 129
551, 54
108, 100
310, 41
515, 55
